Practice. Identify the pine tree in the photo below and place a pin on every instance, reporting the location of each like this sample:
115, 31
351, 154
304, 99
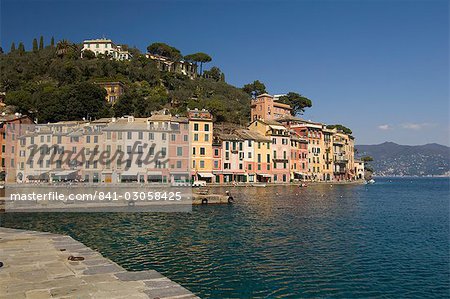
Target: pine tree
13, 47
21, 48
41, 43
52, 42
35, 45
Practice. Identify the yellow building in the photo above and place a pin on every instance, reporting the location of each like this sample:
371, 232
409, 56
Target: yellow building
201, 138
113, 90
327, 155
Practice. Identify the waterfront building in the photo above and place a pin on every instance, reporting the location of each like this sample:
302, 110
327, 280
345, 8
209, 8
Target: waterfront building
179, 147
232, 158
46, 152
343, 147
217, 159
359, 169
279, 166
312, 131
299, 156
201, 139
168, 65
11, 127
113, 90
328, 154
105, 47
266, 107
256, 149
143, 145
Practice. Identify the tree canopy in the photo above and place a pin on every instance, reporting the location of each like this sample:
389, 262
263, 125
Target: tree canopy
198, 57
366, 159
297, 102
254, 89
164, 50
214, 73
340, 128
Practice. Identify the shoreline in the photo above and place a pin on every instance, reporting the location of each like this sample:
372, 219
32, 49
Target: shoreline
210, 185
39, 265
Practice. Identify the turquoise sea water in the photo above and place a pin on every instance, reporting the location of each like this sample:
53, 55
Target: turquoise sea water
390, 240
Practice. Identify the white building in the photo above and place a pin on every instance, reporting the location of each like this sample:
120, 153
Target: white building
106, 47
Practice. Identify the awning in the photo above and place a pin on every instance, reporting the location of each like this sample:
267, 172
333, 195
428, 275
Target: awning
42, 176
206, 174
64, 173
300, 173
154, 173
264, 175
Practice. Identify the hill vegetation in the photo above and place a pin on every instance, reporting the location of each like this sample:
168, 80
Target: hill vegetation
52, 83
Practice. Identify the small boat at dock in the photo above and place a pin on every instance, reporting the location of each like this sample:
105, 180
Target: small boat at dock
259, 185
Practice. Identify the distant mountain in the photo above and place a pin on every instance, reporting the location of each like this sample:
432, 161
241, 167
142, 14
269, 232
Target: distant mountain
392, 159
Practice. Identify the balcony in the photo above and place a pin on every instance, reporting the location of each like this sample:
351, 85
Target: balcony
280, 160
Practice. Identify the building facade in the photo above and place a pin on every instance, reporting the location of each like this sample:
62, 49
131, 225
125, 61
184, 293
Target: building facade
105, 47
266, 107
168, 65
201, 140
113, 90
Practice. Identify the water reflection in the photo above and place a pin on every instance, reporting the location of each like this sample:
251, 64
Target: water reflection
320, 241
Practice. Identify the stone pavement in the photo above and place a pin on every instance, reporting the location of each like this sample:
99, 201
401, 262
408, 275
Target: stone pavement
36, 265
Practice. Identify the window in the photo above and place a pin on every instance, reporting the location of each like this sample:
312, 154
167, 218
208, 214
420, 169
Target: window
193, 151
185, 138
249, 142
249, 166
95, 139
163, 151
216, 152
216, 164
195, 127
151, 136
268, 158
179, 151
259, 158
141, 135
163, 137
206, 137
249, 155
202, 164
88, 139
178, 164
202, 151
195, 137
173, 137
227, 145
207, 127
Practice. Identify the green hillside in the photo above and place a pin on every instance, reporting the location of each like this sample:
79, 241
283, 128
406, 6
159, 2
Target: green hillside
52, 83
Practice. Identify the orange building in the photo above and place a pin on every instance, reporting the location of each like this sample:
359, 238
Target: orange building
267, 107
113, 90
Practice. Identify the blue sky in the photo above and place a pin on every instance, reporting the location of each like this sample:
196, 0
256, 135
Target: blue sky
378, 67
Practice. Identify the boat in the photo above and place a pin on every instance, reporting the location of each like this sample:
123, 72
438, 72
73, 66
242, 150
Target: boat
2, 186
259, 185
371, 182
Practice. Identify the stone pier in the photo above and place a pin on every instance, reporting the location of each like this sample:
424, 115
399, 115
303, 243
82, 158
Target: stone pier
37, 265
